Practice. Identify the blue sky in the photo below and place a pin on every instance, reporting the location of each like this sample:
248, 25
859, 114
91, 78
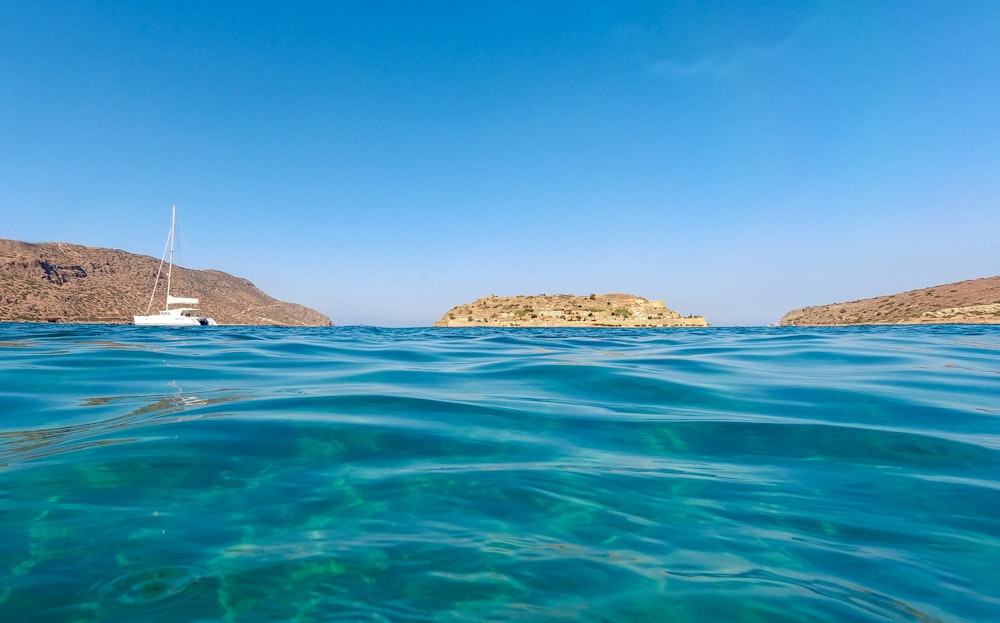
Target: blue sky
384, 161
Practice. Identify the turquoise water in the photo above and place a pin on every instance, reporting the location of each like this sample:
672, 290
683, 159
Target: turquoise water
359, 474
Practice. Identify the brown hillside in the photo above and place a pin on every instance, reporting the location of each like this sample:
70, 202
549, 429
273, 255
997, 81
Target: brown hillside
61, 282
566, 310
976, 301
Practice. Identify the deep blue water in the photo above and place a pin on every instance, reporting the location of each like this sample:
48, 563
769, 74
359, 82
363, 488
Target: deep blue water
358, 474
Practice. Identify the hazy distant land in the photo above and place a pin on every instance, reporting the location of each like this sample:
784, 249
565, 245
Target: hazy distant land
62, 282
976, 301
566, 310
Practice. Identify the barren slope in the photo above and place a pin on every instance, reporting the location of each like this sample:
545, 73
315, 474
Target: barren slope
61, 282
976, 301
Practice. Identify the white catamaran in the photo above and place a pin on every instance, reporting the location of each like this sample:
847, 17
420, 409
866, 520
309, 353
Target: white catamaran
172, 316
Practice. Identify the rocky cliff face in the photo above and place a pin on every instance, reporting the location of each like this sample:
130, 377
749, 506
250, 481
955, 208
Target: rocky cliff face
566, 310
61, 282
976, 301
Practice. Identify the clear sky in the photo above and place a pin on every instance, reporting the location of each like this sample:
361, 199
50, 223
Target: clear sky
384, 161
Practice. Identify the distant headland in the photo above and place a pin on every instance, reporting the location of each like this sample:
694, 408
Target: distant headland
62, 282
976, 301
567, 310
71, 283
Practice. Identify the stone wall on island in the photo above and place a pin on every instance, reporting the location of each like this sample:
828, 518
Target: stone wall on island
567, 310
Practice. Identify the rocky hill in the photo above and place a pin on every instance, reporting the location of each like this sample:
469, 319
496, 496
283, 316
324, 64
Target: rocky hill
61, 282
976, 301
566, 310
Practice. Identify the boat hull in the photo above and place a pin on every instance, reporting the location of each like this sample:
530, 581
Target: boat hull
170, 319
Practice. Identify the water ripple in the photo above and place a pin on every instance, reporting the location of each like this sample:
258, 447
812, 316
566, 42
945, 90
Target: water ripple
257, 474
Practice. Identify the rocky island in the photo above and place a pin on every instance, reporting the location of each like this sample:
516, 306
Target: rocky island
976, 301
62, 282
567, 310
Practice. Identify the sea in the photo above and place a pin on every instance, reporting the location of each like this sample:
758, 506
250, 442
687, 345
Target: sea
745, 475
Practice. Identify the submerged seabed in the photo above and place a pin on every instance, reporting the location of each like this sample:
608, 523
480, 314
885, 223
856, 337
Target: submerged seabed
355, 474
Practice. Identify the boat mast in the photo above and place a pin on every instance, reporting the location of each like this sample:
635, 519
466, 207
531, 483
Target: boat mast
159, 270
170, 266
